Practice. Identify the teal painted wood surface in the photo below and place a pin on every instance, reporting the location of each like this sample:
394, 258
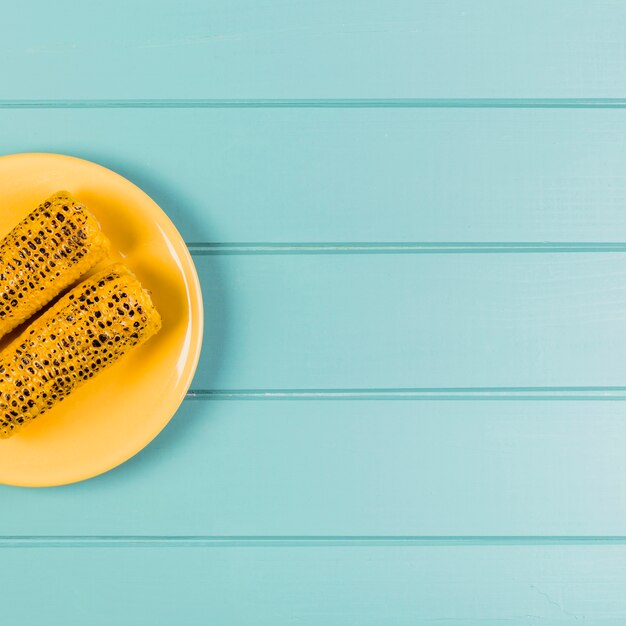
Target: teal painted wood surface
411, 320
310, 175
408, 221
378, 49
344, 468
465, 585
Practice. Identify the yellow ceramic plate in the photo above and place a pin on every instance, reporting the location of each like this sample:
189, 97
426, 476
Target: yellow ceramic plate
116, 414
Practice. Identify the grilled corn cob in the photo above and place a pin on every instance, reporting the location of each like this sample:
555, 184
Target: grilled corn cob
46, 252
87, 330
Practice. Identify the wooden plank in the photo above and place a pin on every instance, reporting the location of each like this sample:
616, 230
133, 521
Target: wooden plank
405, 321
367, 468
520, 585
357, 175
380, 49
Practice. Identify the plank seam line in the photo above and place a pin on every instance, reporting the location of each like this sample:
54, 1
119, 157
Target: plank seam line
316, 103
416, 394
202, 249
217, 541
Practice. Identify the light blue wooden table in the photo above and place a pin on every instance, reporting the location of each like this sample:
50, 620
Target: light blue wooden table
409, 221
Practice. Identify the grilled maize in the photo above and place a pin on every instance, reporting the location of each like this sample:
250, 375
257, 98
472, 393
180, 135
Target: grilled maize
87, 330
45, 253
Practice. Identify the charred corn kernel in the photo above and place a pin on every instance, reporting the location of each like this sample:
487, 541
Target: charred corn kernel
45, 253
87, 330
